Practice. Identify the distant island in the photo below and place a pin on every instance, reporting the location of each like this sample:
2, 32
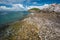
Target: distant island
34, 10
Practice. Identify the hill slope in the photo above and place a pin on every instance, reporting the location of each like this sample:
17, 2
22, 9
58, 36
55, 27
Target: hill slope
39, 26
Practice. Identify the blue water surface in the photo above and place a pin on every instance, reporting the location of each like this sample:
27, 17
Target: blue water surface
11, 16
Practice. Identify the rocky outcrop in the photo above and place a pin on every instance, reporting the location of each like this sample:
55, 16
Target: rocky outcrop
52, 7
37, 26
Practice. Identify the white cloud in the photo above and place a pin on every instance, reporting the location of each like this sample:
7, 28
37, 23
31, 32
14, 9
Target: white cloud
20, 7
15, 7
32, 7
2, 8
40, 7
11, 1
34, 2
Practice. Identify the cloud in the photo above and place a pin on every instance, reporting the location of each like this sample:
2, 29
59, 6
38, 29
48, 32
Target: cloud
20, 7
40, 7
15, 7
2, 8
11, 1
34, 2
47, 7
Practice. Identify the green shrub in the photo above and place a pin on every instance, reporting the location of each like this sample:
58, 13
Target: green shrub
35, 9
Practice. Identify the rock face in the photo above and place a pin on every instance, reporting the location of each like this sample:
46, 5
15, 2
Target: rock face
52, 7
39, 26
48, 24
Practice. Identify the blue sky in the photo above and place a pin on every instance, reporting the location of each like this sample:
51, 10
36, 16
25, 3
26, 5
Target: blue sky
10, 4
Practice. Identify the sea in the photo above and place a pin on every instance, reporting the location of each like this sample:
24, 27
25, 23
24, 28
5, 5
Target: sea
11, 16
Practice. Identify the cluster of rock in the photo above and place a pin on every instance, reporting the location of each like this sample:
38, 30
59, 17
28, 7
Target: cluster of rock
52, 7
36, 26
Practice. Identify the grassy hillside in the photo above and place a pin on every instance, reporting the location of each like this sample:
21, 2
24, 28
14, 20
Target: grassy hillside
34, 10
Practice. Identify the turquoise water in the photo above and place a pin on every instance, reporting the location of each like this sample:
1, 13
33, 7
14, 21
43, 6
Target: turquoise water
6, 17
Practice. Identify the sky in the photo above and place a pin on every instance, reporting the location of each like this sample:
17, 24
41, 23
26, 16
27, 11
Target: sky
21, 5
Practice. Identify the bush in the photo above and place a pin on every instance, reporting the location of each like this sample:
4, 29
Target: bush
35, 9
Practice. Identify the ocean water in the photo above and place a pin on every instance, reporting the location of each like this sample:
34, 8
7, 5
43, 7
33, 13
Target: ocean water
10, 16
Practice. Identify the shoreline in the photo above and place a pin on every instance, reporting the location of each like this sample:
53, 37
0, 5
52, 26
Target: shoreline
7, 24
